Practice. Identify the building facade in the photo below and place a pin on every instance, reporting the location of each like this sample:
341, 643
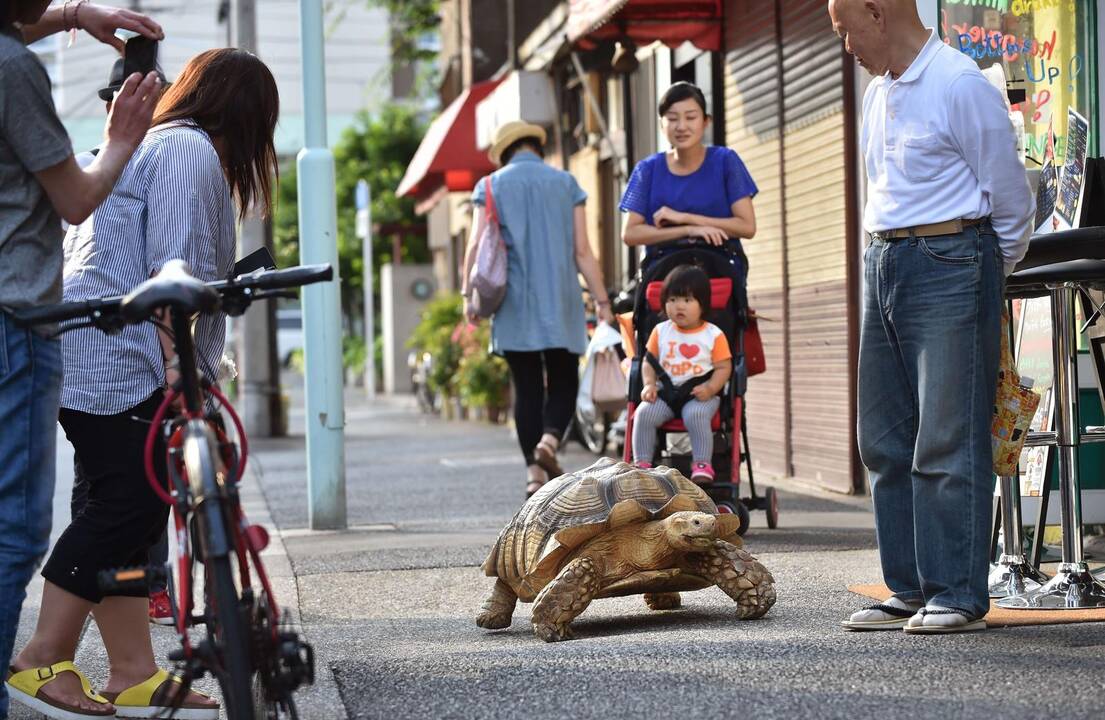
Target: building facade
786, 96
358, 63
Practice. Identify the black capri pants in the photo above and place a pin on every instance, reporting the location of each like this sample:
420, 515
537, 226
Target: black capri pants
545, 387
122, 517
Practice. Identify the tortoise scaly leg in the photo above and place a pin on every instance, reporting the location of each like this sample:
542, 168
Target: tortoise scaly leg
565, 598
662, 601
739, 575
498, 608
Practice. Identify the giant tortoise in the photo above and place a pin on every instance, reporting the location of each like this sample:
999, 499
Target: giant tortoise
611, 530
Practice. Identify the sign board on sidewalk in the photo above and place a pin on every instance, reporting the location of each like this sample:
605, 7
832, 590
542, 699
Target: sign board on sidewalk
1072, 183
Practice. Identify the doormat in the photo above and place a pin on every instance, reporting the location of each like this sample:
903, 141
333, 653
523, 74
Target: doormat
1001, 617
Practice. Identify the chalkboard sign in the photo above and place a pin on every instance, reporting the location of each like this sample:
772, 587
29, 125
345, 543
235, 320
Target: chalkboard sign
1048, 188
1074, 172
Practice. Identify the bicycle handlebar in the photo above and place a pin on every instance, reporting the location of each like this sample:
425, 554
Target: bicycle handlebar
277, 279
242, 285
48, 314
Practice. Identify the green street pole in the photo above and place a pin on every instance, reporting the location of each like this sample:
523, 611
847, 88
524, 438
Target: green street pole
318, 243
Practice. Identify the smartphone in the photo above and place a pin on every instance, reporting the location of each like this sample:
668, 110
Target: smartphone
139, 56
259, 259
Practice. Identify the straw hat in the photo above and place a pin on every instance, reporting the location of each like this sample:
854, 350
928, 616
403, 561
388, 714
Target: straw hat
511, 132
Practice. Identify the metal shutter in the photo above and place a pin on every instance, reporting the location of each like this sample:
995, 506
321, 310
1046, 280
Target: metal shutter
784, 70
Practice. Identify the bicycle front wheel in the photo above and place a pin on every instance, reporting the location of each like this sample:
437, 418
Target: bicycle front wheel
228, 624
231, 635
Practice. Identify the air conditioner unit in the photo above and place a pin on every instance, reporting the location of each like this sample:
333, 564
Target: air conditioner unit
523, 95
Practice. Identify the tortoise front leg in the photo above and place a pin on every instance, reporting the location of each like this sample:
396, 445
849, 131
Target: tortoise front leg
498, 608
739, 575
565, 598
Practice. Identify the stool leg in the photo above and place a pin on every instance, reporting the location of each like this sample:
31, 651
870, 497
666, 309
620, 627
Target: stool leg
1012, 575
1073, 587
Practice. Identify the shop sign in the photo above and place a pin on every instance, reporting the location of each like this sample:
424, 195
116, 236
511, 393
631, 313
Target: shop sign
1043, 46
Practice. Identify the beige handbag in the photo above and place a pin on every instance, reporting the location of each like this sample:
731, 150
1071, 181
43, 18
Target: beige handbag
1014, 407
608, 385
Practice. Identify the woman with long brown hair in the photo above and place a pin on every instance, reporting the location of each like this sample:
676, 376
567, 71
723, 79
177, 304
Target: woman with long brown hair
211, 145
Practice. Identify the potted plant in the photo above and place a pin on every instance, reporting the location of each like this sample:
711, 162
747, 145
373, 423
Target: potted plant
482, 379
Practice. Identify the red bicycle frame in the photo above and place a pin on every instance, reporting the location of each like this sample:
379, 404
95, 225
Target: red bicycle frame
249, 540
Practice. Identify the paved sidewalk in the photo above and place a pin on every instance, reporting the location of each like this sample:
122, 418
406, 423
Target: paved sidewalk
390, 605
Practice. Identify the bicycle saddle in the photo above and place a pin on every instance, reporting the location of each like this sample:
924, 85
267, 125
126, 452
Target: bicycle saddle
174, 287
1068, 256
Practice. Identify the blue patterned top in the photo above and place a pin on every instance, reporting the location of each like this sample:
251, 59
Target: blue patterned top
172, 201
543, 307
710, 190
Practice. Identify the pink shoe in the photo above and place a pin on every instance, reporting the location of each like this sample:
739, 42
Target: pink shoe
161, 612
702, 473
642, 465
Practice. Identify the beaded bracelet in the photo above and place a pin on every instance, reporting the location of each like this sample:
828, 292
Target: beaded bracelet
77, 14
65, 24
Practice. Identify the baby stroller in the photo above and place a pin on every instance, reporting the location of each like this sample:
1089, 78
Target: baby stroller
730, 313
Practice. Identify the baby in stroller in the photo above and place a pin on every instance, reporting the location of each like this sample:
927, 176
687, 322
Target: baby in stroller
686, 367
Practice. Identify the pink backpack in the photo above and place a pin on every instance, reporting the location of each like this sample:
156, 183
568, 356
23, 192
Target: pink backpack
487, 281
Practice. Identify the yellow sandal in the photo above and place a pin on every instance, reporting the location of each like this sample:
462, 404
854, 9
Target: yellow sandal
153, 699
24, 687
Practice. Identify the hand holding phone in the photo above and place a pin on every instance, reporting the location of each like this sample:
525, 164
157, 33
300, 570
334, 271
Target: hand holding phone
139, 56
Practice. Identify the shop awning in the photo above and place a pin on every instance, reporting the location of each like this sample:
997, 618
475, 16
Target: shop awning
672, 22
447, 155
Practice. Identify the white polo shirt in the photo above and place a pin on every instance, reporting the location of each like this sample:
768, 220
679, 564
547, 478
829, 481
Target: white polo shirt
938, 145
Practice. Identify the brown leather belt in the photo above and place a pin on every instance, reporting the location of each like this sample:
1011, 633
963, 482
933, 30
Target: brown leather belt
948, 227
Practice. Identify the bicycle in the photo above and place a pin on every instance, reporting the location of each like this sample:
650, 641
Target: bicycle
257, 660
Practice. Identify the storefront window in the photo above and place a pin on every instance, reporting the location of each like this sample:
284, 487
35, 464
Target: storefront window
1047, 45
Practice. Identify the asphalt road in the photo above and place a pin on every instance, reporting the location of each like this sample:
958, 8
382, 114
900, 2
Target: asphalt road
391, 604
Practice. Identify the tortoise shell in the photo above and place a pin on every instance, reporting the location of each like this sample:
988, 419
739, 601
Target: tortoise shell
579, 506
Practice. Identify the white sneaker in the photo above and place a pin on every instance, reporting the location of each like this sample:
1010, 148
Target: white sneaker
937, 620
890, 615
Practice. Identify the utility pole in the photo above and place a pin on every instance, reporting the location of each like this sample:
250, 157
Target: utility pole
318, 243
258, 367
363, 202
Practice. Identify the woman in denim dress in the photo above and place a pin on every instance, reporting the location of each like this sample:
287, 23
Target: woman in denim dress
539, 328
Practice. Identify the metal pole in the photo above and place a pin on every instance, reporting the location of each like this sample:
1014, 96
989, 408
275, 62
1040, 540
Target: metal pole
325, 412
364, 230
243, 24
1066, 392
259, 379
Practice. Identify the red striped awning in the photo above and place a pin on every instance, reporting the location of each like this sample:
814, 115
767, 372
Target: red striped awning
448, 155
672, 22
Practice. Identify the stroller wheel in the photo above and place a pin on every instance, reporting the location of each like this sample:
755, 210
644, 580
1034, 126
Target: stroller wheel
771, 500
737, 508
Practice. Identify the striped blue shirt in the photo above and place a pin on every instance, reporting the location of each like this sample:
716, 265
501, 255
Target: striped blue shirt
172, 201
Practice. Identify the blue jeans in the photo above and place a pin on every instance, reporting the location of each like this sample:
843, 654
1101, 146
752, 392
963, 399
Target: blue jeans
928, 365
30, 389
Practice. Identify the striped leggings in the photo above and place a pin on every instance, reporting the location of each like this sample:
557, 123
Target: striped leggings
696, 416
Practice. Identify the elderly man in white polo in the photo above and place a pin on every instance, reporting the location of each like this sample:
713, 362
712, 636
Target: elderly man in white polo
947, 217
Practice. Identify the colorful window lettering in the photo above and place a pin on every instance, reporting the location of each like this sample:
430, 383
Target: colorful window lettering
1044, 47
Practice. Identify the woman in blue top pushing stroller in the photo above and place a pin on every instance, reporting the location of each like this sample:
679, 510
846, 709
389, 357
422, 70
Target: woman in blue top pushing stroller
692, 205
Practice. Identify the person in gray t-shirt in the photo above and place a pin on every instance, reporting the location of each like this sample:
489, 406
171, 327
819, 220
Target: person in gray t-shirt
40, 181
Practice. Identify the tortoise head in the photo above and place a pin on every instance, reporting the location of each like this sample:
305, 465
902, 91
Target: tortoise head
690, 531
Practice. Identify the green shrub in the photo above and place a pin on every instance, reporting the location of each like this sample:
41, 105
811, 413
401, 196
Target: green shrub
354, 354
482, 379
